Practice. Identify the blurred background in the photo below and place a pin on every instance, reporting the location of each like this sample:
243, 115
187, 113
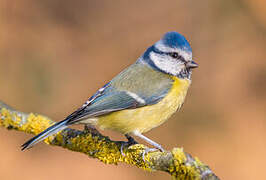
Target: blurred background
55, 54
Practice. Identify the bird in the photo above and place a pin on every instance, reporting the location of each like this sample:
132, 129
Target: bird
141, 97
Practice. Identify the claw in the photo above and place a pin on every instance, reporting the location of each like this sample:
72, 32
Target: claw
151, 142
122, 148
147, 150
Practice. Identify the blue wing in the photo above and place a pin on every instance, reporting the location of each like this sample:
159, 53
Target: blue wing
126, 91
109, 99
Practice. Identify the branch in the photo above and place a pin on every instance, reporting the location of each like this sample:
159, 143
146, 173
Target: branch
177, 163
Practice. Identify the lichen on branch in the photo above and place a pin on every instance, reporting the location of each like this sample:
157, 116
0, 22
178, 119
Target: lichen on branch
179, 164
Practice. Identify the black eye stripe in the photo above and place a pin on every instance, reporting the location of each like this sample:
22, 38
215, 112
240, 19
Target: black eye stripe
172, 54
176, 56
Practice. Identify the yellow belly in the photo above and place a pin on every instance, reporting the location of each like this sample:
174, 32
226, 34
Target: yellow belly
145, 118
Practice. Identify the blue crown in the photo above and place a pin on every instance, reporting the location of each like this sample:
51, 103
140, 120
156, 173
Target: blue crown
176, 40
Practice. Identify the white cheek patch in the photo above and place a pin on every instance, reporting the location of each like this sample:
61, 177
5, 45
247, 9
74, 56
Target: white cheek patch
185, 54
166, 64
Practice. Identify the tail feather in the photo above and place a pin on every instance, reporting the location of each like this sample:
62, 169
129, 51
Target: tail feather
48, 132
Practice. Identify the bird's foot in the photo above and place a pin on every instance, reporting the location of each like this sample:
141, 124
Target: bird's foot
147, 150
131, 141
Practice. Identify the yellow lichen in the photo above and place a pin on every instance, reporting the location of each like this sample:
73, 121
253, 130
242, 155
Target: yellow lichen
198, 162
10, 120
180, 169
36, 124
101, 147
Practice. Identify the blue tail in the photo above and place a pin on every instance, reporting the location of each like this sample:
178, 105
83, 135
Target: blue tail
48, 132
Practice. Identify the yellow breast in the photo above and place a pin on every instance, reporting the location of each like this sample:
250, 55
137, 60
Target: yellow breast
145, 118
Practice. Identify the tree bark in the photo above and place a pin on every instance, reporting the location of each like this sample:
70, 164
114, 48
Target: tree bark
179, 164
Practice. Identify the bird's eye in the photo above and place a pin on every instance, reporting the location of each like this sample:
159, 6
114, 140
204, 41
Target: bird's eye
174, 55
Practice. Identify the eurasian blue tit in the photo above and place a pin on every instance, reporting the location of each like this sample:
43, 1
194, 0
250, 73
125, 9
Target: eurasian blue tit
141, 97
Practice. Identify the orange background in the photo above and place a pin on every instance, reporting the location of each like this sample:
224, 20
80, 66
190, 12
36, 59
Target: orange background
55, 54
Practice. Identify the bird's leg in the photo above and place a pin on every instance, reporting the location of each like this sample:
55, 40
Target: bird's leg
151, 142
131, 141
91, 129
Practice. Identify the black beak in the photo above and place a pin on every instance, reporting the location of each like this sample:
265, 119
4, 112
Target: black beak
191, 64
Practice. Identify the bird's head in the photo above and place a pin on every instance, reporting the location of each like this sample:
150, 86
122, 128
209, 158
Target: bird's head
172, 55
